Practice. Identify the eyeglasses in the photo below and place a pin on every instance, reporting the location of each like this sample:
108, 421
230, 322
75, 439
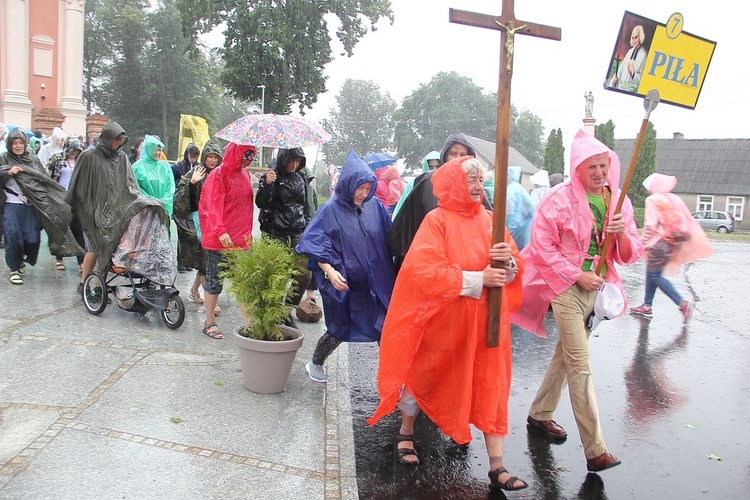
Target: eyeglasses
249, 155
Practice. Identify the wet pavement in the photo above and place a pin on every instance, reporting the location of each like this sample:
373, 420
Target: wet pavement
673, 403
118, 406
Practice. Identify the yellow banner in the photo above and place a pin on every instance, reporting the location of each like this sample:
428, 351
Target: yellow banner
192, 129
651, 55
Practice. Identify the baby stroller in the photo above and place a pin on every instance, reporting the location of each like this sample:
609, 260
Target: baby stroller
141, 273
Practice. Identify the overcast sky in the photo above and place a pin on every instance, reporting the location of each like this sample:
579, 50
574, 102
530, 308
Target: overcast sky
549, 77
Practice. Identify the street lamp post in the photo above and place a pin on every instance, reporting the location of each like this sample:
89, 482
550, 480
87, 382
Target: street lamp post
262, 111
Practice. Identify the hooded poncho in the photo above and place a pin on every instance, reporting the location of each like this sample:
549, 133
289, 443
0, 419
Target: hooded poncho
418, 203
226, 202
104, 194
186, 200
352, 240
561, 234
59, 166
667, 214
434, 339
44, 194
520, 207
154, 177
33, 141
57, 139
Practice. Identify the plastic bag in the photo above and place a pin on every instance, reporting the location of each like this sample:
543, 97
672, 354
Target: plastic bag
609, 305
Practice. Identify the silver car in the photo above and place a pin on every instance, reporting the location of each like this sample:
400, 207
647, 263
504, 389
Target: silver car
721, 222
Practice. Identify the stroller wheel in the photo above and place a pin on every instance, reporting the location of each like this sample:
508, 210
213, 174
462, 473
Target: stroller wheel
95, 293
174, 315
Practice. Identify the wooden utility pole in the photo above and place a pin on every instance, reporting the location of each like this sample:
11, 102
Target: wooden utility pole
509, 27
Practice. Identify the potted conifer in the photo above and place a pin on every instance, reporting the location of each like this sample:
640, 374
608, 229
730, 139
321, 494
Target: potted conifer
260, 279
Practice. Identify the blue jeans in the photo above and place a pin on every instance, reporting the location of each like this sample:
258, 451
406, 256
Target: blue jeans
655, 280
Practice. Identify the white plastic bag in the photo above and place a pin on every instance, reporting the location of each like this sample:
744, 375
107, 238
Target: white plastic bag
609, 305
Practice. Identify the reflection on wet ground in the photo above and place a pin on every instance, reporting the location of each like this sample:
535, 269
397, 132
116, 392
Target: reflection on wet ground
650, 393
672, 401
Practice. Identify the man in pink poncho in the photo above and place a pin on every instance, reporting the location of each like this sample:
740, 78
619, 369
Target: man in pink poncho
567, 236
672, 237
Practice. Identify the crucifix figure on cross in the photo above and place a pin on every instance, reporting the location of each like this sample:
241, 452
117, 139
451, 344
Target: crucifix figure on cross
509, 26
509, 31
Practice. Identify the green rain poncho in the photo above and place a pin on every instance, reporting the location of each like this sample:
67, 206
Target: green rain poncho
155, 177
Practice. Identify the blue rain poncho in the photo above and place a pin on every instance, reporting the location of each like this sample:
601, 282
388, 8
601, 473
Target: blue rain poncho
352, 240
155, 177
520, 208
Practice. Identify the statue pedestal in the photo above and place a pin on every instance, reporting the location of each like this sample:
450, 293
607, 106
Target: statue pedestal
589, 125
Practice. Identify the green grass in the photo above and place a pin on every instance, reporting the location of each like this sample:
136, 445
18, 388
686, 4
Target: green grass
741, 237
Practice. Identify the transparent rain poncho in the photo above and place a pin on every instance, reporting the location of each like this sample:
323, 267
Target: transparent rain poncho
145, 248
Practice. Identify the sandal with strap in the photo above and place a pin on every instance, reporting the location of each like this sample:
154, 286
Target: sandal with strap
508, 485
59, 265
214, 334
404, 452
16, 278
195, 296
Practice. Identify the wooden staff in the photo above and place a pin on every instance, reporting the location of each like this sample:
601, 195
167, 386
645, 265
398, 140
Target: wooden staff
650, 102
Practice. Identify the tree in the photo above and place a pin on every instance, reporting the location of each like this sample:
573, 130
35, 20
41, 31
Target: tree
526, 136
451, 103
645, 166
282, 45
606, 134
96, 56
121, 91
150, 73
173, 85
554, 153
448, 103
362, 121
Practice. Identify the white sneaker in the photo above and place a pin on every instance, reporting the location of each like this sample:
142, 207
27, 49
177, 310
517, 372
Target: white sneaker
316, 372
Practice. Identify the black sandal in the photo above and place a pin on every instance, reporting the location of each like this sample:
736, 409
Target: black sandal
405, 452
508, 485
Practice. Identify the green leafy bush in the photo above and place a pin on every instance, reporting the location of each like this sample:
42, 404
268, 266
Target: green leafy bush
260, 279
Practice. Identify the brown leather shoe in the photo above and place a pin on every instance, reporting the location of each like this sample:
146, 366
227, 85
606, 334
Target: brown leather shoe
603, 461
548, 427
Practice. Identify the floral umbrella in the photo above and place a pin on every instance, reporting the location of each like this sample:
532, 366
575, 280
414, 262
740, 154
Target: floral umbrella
274, 131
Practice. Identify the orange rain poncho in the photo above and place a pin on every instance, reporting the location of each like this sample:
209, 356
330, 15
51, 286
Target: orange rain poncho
434, 340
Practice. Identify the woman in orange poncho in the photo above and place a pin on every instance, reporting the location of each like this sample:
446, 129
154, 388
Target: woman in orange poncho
433, 353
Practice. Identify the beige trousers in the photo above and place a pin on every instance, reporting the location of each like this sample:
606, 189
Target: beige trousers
571, 365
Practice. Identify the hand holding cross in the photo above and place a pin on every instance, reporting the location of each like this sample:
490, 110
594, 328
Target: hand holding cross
507, 23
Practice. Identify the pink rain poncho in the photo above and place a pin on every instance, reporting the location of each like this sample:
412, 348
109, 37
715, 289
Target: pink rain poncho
560, 237
667, 215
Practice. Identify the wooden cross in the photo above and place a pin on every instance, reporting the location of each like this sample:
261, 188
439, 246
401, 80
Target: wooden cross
509, 26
